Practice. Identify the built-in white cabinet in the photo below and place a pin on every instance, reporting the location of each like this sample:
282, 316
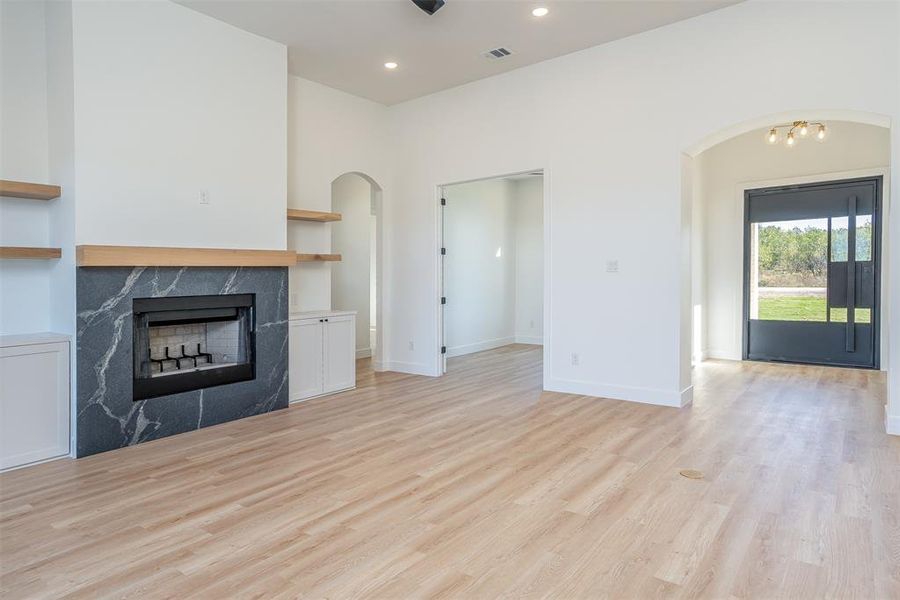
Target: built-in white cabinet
322, 353
34, 398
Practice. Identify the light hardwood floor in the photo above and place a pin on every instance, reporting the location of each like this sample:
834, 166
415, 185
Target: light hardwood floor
477, 485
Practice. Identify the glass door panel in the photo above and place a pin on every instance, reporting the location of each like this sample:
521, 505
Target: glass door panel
811, 273
791, 271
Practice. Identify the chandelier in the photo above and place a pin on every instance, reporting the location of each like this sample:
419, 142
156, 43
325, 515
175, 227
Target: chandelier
794, 130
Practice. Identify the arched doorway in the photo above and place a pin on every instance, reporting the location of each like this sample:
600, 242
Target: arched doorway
356, 279
713, 203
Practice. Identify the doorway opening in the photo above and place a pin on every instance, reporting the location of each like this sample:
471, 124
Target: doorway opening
355, 278
812, 257
492, 269
789, 281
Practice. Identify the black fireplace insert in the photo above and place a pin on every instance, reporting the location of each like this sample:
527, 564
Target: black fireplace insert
185, 343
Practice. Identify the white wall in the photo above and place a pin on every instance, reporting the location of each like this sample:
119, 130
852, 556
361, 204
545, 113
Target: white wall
170, 102
480, 286
610, 125
23, 94
528, 196
24, 284
744, 162
351, 237
330, 133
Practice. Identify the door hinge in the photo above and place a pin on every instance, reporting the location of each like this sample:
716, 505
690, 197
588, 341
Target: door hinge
443, 299
443, 202
443, 349
443, 251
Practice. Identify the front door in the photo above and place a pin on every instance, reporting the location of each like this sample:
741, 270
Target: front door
811, 273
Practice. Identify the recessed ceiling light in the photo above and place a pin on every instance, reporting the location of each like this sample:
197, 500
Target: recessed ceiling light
390, 65
540, 11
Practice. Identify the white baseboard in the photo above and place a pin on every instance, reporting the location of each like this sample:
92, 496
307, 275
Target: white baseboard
719, 354
534, 340
404, 367
891, 422
33, 463
479, 346
686, 396
363, 352
295, 400
617, 392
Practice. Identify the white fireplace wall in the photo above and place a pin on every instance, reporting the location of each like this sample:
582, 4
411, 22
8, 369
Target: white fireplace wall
168, 103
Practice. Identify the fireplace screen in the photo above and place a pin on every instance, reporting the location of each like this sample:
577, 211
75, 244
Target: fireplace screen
192, 342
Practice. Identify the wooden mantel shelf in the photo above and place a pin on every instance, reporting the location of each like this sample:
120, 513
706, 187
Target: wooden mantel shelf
33, 253
146, 256
301, 258
32, 191
298, 214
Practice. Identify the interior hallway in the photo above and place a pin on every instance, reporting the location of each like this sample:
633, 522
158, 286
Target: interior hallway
477, 484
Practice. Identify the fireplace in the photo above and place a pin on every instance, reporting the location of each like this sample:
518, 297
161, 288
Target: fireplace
184, 343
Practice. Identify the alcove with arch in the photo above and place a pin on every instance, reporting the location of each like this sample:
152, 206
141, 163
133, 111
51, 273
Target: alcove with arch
356, 280
857, 145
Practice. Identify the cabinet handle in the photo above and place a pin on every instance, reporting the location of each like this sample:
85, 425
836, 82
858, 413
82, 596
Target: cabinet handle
326, 320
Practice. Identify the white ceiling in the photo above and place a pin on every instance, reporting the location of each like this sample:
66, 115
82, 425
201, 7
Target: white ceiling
345, 43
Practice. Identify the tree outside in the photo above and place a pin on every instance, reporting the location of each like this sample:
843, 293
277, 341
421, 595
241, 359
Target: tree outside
793, 262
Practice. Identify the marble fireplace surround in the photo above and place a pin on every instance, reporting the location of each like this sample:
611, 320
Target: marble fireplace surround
106, 416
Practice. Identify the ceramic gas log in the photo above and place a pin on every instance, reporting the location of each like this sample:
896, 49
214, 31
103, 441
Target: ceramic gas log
186, 343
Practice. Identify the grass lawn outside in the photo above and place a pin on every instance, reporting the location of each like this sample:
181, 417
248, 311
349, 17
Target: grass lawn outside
805, 308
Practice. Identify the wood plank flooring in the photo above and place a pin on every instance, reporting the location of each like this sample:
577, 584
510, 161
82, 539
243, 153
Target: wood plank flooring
478, 485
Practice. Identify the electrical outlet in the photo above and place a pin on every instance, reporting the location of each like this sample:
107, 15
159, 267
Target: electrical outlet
412, 346
612, 266
574, 359
204, 197
532, 324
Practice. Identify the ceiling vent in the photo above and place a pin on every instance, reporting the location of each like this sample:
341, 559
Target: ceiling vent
497, 53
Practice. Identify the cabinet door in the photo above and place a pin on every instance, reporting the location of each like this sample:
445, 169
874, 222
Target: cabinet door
340, 353
34, 403
305, 374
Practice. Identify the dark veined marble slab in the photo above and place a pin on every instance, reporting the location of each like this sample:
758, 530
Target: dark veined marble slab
106, 415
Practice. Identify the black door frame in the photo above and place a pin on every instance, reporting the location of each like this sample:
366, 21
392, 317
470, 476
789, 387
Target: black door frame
877, 181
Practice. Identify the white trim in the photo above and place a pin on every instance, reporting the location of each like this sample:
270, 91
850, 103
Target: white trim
409, 368
479, 346
721, 354
891, 422
669, 398
35, 463
363, 352
533, 340
322, 395
318, 314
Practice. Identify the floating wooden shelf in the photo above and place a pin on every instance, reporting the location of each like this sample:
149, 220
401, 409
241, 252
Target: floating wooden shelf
34, 253
145, 256
34, 191
298, 214
318, 257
